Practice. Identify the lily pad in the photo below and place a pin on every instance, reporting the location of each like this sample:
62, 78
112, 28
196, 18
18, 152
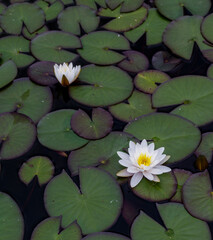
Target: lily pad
154, 27
138, 104
210, 71
39, 166
25, 97
146, 81
2, 8
92, 128
191, 94
135, 62
30, 36
8, 72
54, 46
95, 207
17, 135
103, 86
92, 3
50, 229
11, 220
105, 236
54, 131
179, 225
73, 18
177, 135
126, 5
18, 14
98, 47
197, 196
66, 2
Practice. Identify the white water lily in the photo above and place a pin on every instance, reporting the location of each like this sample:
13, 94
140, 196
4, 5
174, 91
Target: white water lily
66, 74
143, 161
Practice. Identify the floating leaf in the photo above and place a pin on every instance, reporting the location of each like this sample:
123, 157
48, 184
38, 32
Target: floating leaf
2, 8
210, 71
105, 236
66, 2
92, 3
8, 72
126, 5
95, 207
30, 36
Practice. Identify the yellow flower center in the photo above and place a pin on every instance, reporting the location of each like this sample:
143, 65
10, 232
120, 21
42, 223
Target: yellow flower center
144, 160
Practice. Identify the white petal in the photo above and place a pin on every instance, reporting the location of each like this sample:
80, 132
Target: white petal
151, 148
136, 178
132, 145
125, 163
133, 169
156, 178
123, 155
144, 144
164, 160
160, 150
70, 66
124, 173
148, 175
164, 169
156, 171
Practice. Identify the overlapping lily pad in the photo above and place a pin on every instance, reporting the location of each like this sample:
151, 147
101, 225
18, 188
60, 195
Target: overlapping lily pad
192, 94
92, 3
95, 207
8, 72
103, 86
54, 131
105, 236
66, 2
126, 5
17, 135
206, 26
30, 36
210, 71
168, 131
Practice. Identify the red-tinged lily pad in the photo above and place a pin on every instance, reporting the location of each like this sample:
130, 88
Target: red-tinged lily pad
135, 62
30, 36
8, 72
126, 5
147, 81
42, 73
98, 126
17, 135
95, 206
197, 196
105, 236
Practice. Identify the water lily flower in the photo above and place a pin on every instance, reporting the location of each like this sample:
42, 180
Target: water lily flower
66, 74
143, 160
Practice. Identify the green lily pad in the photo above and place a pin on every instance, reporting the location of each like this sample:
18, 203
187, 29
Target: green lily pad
39, 166
18, 14
175, 9
27, 98
101, 153
146, 81
92, 128
197, 196
178, 135
138, 104
123, 21
210, 71
180, 225
92, 3
8, 72
17, 49
105, 236
50, 229
181, 176
54, 46
206, 28
2, 8
30, 36
126, 5
98, 47
18, 1
66, 2
154, 27
103, 86
95, 207
72, 18
17, 135
54, 131
11, 220
157, 191
135, 62
191, 94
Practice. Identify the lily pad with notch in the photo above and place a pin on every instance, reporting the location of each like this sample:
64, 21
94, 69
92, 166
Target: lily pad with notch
126, 5
8, 72
105, 236
30, 36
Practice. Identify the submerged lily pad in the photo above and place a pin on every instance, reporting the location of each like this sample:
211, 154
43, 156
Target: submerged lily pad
105, 236
8, 72
192, 94
103, 86
95, 207
177, 135
17, 135
11, 220
126, 5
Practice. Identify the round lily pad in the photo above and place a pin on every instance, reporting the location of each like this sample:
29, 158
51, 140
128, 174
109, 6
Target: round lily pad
126, 5
72, 18
157, 191
30, 36
146, 81
135, 62
98, 47
92, 3
105, 236
210, 71
178, 222
138, 104
197, 196
50, 229
39, 166
23, 96
96, 206
8, 72
101, 153
42, 73
17, 135
177, 135
54, 46
191, 94
206, 27
11, 220
181, 177
103, 86
18, 14
54, 131
92, 128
